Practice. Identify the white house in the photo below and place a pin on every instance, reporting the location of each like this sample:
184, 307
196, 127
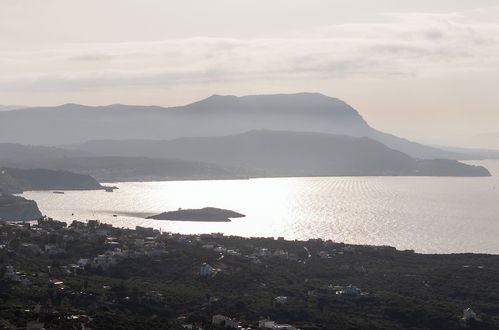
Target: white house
323, 254
105, 260
220, 249
281, 299
284, 327
281, 254
10, 274
266, 324
82, 262
206, 270
263, 252
351, 291
235, 253
224, 320
154, 297
269, 324
469, 315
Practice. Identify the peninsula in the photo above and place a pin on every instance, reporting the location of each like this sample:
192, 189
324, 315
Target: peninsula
18, 208
16, 181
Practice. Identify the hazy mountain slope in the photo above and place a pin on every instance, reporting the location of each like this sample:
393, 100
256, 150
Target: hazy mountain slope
109, 169
283, 153
476, 153
14, 180
11, 107
252, 154
214, 116
14, 208
12, 153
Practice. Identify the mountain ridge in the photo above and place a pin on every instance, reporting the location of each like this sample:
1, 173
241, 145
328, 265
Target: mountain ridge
285, 153
215, 115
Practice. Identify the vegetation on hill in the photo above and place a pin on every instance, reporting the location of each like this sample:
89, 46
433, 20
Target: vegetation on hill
103, 277
13, 180
18, 208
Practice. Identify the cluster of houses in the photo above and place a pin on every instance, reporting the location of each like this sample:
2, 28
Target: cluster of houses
146, 243
111, 257
149, 242
230, 323
258, 254
141, 242
331, 291
269, 324
207, 270
11, 275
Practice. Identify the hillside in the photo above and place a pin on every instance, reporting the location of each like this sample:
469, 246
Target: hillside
178, 282
16, 208
281, 153
476, 153
113, 169
14, 153
214, 116
18, 180
251, 154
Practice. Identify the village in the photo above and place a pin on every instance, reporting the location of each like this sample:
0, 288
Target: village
86, 274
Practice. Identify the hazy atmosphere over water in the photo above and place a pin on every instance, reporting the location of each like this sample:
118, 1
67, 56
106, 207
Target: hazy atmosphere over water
425, 70
429, 215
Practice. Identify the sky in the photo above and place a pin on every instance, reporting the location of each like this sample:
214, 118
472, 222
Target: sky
425, 70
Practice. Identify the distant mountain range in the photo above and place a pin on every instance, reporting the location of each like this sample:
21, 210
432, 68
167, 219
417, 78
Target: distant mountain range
221, 137
16, 153
11, 107
260, 153
214, 116
475, 153
284, 153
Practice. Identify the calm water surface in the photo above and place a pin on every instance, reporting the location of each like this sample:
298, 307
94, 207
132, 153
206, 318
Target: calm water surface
427, 214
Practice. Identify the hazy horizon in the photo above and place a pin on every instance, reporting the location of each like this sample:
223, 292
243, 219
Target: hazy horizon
425, 71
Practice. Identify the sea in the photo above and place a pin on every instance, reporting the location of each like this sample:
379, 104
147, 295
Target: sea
424, 214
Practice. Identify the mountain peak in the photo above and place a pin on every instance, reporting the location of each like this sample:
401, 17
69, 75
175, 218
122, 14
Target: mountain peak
72, 106
297, 103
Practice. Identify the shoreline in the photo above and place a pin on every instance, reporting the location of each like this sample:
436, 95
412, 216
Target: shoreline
267, 238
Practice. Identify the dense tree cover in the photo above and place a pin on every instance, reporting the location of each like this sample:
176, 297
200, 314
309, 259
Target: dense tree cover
400, 289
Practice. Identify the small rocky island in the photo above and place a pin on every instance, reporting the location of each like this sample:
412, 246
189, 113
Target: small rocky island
16, 208
209, 214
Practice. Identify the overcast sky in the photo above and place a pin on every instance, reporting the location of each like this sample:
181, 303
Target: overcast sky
427, 70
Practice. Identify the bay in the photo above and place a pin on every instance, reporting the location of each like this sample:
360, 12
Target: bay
425, 214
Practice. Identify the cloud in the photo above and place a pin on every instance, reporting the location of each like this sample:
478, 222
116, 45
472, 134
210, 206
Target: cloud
407, 45
92, 57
